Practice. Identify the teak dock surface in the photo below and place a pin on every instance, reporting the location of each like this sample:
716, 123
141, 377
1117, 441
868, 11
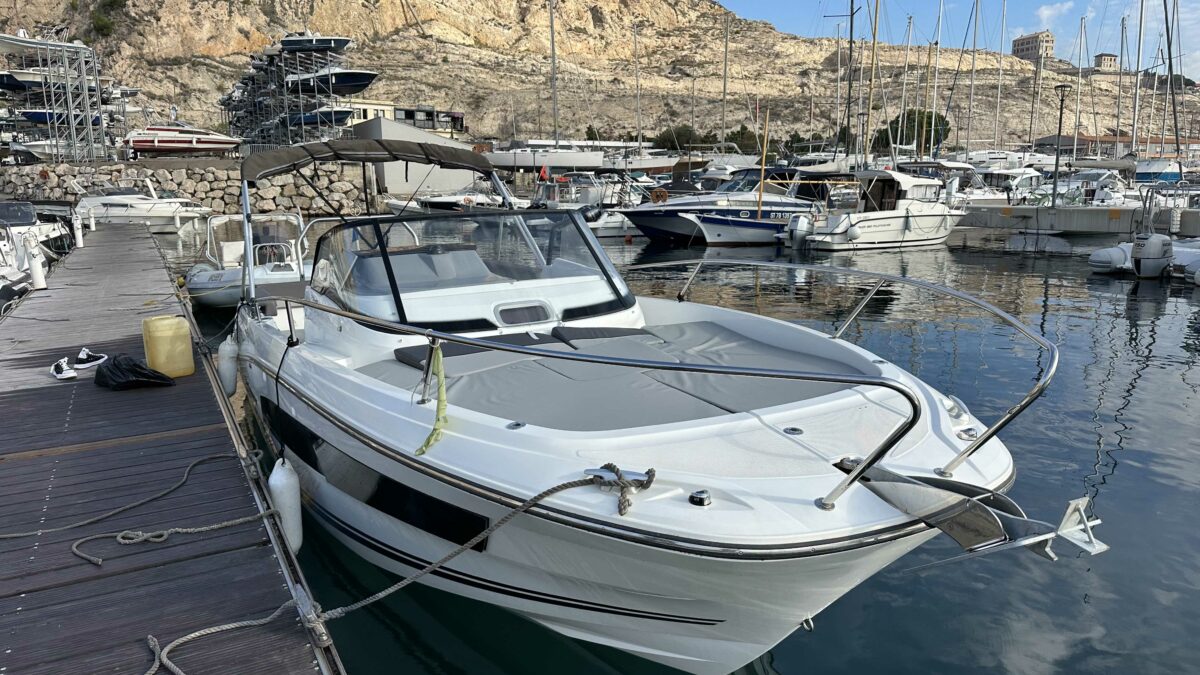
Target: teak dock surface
72, 450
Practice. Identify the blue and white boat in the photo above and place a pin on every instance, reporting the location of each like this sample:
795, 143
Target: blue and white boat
41, 116
331, 81
734, 202
324, 116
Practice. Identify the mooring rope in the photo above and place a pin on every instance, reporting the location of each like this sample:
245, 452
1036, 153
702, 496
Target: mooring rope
161, 656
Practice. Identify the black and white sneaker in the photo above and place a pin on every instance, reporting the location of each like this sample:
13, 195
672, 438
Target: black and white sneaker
87, 359
62, 370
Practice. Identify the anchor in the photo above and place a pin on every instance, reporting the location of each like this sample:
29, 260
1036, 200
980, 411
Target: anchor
981, 521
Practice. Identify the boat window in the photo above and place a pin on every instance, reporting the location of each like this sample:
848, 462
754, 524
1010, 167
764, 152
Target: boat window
17, 213
924, 193
457, 271
349, 270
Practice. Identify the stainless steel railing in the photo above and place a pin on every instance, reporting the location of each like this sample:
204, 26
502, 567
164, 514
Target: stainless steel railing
434, 337
881, 280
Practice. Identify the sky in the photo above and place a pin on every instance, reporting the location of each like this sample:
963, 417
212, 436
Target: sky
813, 18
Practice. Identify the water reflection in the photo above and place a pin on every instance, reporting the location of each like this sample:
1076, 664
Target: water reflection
1125, 397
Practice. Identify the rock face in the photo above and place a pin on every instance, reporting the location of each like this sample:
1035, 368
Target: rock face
491, 61
221, 194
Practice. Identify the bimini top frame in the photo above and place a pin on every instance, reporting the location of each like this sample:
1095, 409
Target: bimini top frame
292, 159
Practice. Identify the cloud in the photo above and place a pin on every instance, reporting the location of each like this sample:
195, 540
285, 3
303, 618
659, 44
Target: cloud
1048, 14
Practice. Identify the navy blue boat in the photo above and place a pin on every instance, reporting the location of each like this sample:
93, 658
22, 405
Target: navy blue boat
331, 81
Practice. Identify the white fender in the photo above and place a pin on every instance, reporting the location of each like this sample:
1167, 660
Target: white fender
853, 233
284, 486
227, 355
77, 229
33, 256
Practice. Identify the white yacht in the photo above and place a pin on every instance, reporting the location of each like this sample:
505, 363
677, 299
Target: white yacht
895, 210
477, 195
563, 158
161, 211
443, 369
278, 245
578, 190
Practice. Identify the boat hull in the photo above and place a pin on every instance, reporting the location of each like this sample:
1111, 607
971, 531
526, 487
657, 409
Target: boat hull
905, 230
223, 288
735, 231
700, 614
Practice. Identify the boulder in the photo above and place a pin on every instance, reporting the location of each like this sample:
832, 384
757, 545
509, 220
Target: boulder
268, 192
264, 206
179, 175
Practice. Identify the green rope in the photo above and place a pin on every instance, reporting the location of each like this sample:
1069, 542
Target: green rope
440, 419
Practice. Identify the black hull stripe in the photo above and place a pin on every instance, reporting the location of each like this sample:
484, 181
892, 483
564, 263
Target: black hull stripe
488, 585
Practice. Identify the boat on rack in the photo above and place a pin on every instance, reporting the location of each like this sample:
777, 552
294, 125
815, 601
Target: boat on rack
179, 138
278, 246
760, 432
330, 81
161, 211
314, 42
323, 116
895, 210
43, 116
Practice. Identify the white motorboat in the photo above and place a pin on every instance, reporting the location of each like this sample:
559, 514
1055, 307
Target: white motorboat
1091, 187
161, 211
737, 198
1015, 184
896, 210
585, 191
547, 368
57, 150
178, 138
535, 159
477, 195
278, 247
647, 161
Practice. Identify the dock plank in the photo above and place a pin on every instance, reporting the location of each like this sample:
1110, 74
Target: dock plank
72, 450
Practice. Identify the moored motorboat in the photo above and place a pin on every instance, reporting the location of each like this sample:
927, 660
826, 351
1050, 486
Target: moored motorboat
895, 210
760, 432
277, 249
161, 212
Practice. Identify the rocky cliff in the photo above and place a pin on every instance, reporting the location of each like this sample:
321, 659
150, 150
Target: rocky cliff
491, 61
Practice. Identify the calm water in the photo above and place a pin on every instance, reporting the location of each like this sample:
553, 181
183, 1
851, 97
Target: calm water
1119, 423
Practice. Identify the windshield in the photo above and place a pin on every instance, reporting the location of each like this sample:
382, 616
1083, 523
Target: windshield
17, 213
1091, 176
468, 272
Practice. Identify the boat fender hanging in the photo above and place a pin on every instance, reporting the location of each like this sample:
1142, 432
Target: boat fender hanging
284, 488
227, 355
853, 233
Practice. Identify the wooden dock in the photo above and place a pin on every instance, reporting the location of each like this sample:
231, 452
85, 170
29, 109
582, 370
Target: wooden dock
73, 450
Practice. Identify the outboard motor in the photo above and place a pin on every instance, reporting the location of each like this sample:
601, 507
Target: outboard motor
1152, 254
798, 228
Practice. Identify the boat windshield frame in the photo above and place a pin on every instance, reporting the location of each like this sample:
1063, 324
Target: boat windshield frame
622, 296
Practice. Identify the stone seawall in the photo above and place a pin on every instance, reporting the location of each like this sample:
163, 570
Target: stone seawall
213, 183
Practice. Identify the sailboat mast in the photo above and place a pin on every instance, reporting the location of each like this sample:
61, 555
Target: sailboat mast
850, 75
837, 95
1137, 74
1000, 80
937, 63
725, 83
971, 89
1033, 102
871, 83
904, 79
1078, 91
920, 149
553, 76
637, 79
1120, 88
1171, 87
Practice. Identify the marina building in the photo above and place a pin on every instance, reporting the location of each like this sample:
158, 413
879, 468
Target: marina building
1034, 46
446, 124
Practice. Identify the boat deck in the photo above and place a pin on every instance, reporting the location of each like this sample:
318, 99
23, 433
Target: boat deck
72, 450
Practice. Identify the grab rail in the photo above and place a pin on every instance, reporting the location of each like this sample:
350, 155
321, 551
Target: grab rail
825, 503
1038, 388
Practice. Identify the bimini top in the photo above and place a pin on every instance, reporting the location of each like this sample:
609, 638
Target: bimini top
285, 160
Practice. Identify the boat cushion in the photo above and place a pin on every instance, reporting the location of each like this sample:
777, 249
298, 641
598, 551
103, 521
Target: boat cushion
454, 355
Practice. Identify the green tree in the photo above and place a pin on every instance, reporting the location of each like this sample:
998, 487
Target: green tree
918, 125
678, 138
746, 140
591, 134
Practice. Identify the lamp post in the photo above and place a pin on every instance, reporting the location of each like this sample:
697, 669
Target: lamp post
1062, 90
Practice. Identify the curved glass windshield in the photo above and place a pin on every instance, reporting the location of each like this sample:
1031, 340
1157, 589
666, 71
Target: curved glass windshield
17, 213
470, 271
